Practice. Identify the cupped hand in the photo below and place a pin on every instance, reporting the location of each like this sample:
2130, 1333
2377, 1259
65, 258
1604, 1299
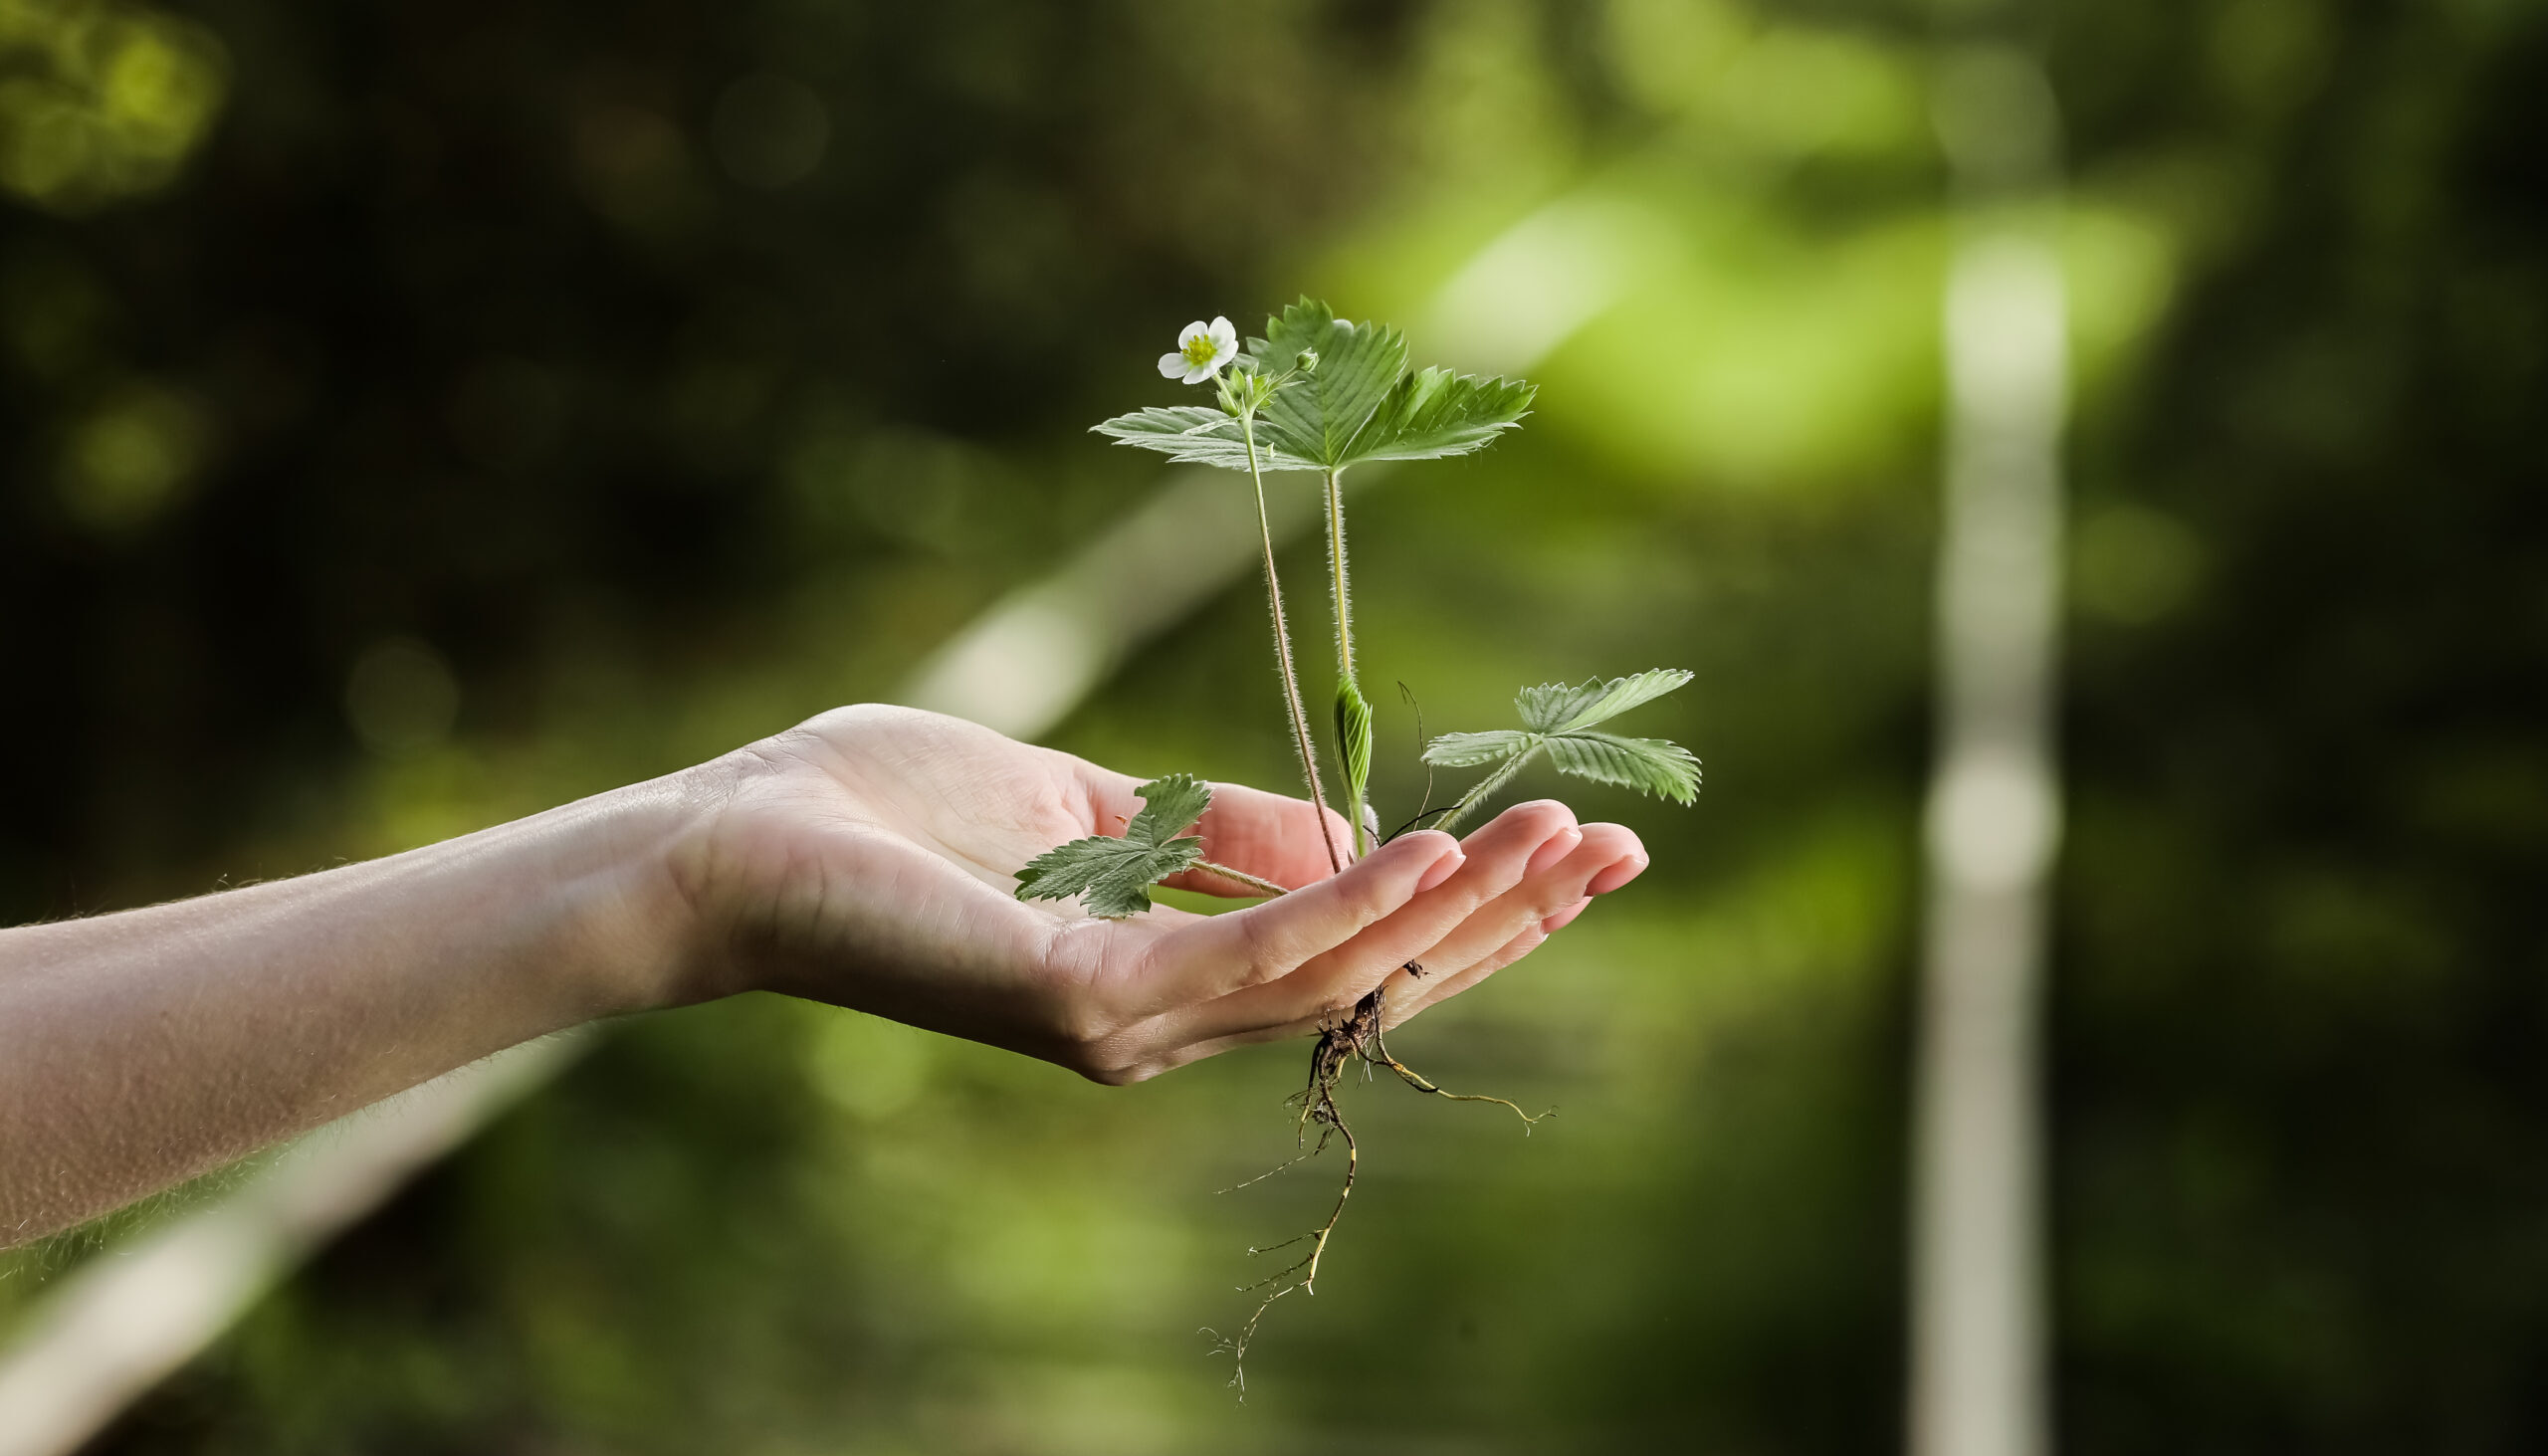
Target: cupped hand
867, 858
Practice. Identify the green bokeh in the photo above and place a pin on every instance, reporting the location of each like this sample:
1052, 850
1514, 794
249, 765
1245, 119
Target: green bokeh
493, 406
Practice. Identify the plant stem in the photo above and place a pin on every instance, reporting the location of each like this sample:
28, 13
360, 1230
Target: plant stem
1338, 574
1261, 887
1283, 651
1486, 786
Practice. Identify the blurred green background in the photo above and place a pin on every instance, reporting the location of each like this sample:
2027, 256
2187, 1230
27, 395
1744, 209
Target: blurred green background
418, 414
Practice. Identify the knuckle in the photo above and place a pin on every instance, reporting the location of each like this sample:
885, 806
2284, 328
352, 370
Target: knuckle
1553, 898
1120, 1057
1366, 900
1263, 949
1082, 1029
1544, 816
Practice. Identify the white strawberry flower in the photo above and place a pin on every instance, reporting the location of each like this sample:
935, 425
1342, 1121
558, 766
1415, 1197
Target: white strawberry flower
1201, 351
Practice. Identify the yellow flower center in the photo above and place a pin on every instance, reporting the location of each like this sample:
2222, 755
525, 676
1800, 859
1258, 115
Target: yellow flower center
1198, 350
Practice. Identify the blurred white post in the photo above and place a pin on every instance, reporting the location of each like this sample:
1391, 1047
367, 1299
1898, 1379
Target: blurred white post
1978, 1336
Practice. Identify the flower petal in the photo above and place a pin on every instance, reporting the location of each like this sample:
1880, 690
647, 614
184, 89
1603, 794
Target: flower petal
1193, 332
1171, 366
1225, 336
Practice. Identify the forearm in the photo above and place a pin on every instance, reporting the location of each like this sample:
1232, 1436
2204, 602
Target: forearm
141, 1048
864, 858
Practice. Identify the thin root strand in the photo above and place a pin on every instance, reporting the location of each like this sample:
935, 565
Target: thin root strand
1359, 1037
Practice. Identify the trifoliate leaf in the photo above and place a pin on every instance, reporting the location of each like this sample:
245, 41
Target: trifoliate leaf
1113, 876
1649, 765
1197, 435
1470, 750
1359, 404
1435, 413
1317, 416
1557, 718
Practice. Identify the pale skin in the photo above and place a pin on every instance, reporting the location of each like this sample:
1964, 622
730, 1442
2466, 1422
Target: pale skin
866, 858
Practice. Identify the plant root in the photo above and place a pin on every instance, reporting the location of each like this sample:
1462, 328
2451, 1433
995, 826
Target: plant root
1360, 1037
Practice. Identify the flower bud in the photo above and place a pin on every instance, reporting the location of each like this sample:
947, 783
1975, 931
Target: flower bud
1308, 362
1354, 745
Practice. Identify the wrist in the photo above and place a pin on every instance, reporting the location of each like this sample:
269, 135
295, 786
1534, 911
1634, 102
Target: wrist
631, 926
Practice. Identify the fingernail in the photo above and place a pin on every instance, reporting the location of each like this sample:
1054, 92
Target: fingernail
1443, 869
1564, 917
1619, 872
1560, 845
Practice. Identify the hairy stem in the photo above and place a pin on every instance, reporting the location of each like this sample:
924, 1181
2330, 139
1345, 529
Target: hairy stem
1336, 569
1338, 576
1261, 887
1283, 652
1486, 787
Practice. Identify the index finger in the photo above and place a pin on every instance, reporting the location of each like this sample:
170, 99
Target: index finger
1206, 958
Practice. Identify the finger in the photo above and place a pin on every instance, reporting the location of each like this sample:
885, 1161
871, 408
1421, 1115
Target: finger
1210, 957
1569, 861
1499, 856
1566, 917
1618, 875
1540, 907
1400, 1010
1393, 1016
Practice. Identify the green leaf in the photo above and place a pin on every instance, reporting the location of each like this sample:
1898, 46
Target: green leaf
1556, 708
1435, 413
1196, 435
1170, 807
1113, 876
1546, 707
1622, 694
1352, 737
1556, 717
1649, 765
1317, 416
1359, 404
1470, 750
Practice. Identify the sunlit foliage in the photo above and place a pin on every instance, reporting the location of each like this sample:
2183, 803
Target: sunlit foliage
102, 99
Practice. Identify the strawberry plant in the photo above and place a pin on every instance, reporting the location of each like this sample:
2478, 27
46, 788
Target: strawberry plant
1321, 395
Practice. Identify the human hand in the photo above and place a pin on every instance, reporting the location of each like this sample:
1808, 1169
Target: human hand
867, 858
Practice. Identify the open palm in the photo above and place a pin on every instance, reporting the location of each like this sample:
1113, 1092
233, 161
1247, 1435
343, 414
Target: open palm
867, 858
